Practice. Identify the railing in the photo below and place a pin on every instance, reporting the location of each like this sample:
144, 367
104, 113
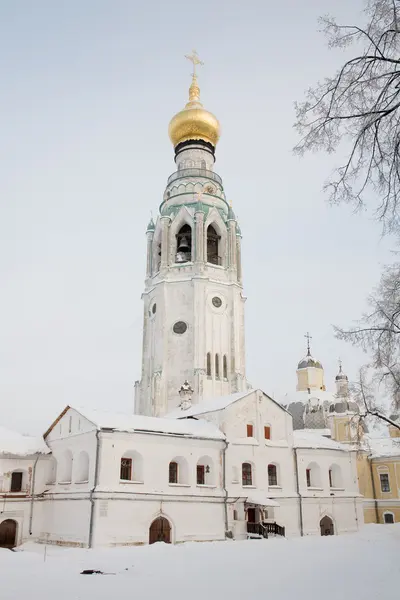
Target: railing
194, 173
274, 529
257, 529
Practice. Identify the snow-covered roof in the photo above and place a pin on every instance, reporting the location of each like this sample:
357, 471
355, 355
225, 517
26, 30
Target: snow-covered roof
12, 442
208, 405
139, 423
384, 447
311, 439
260, 498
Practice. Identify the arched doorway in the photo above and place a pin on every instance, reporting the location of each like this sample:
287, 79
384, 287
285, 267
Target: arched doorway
8, 534
160, 531
326, 525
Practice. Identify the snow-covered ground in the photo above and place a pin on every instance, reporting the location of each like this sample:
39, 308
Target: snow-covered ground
364, 565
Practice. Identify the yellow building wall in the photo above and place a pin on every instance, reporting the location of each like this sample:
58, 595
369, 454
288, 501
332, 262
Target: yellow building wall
364, 476
393, 469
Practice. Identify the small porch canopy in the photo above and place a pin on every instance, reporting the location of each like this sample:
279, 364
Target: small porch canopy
259, 499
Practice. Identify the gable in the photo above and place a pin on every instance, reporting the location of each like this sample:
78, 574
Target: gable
69, 422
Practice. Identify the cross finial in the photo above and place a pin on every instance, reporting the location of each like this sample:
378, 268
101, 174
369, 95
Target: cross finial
340, 364
309, 337
194, 58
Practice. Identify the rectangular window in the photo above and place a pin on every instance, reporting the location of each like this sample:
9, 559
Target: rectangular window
272, 475
16, 482
249, 430
201, 475
385, 485
330, 478
126, 469
173, 472
267, 432
308, 477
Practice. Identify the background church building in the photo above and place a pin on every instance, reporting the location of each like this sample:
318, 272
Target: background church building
206, 456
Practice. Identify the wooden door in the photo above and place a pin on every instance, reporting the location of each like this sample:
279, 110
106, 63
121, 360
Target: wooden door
251, 515
160, 531
326, 525
8, 534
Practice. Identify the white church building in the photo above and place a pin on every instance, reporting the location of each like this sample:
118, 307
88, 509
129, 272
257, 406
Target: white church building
205, 457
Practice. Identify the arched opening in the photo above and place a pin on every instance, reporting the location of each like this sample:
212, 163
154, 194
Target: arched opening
178, 471
205, 471
326, 526
208, 364
335, 477
82, 471
313, 476
184, 244
272, 475
8, 533
131, 466
213, 246
388, 517
66, 467
225, 367
217, 366
51, 470
160, 531
247, 474
203, 164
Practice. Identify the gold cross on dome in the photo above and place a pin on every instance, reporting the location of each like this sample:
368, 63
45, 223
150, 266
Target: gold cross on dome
194, 58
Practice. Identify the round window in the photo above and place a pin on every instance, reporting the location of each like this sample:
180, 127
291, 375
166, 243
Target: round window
217, 302
154, 308
179, 327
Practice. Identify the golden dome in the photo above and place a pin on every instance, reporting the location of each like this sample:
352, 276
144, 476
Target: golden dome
194, 122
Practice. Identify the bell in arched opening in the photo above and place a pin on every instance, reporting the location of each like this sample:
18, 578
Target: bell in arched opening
213, 246
184, 245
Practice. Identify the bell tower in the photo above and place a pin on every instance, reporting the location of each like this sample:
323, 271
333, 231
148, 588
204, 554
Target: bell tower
193, 298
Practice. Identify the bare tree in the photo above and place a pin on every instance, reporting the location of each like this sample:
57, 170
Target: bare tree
378, 333
360, 105
363, 392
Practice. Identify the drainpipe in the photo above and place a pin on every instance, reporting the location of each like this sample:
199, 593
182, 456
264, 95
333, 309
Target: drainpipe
96, 478
296, 470
32, 493
374, 490
224, 486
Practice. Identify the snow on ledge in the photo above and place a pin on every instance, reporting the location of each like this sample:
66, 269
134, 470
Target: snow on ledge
311, 439
12, 442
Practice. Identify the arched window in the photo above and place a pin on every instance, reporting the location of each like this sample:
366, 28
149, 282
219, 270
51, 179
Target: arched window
225, 367
184, 244
313, 475
82, 469
66, 467
388, 517
51, 470
217, 366
208, 364
203, 164
213, 246
335, 477
178, 471
131, 466
158, 257
205, 471
272, 475
247, 476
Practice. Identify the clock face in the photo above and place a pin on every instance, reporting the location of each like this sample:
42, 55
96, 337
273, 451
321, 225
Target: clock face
179, 327
217, 302
209, 189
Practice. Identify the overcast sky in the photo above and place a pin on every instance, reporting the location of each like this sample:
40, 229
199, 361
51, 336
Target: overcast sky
88, 89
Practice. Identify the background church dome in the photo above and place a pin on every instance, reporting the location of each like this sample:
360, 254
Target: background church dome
309, 361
